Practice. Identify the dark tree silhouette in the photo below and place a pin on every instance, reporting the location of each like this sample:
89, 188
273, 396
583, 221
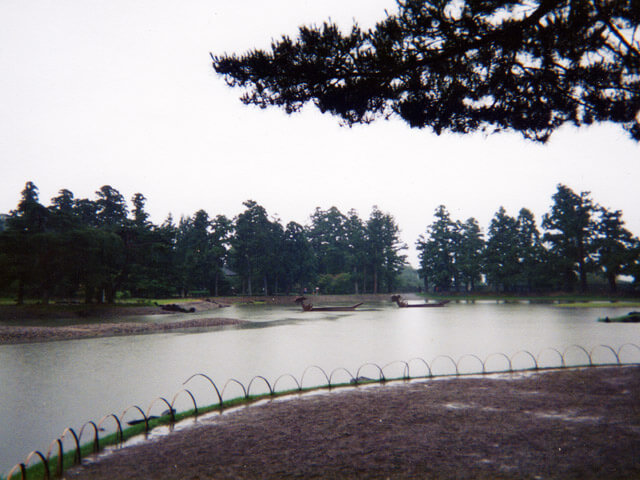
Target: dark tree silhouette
570, 233
524, 65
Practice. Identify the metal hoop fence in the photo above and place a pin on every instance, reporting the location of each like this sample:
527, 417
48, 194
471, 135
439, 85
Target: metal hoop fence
53, 463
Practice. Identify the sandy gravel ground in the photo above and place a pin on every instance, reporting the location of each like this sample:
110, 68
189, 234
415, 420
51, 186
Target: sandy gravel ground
577, 424
44, 334
19, 327
103, 322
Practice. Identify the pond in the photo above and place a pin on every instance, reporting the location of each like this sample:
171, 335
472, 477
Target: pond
47, 387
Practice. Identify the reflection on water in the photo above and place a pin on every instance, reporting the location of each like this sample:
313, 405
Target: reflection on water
49, 386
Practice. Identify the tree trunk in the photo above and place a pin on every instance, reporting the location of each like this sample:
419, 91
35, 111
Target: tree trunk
20, 299
375, 281
364, 280
583, 280
355, 280
88, 294
110, 294
582, 268
613, 287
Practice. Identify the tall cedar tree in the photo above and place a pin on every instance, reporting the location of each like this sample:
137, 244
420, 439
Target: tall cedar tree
570, 233
470, 254
383, 247
438, 250
461, 66
615, 246
501, 254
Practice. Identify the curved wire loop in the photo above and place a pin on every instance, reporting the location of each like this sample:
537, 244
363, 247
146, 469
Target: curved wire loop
425, 364
341, 369
497, 354
96, 441
233, 380
470, 355
359, 379
316, 367
259, 377
287, 375
57, 442
43, 460
119, 433
77, 457
206, 377
405, 370
175, 397
144, 416
23, 471
628, 345
606, 347
582, 349
171, 411
447, 357
562, 364
531, 356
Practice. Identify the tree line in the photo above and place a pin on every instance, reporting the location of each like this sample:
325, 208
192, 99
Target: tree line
101, 248
98, 249
580, 239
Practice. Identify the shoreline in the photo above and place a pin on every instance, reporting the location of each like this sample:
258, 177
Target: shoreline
572, 423
11, 335
35, 323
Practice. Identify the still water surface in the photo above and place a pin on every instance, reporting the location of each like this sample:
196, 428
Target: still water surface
45, 387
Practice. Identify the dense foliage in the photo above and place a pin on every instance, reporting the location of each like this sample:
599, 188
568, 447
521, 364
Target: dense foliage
461, 65
580, 238
98, 248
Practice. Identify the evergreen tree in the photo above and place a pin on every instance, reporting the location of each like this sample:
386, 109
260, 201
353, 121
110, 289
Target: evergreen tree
221, 229
111, 207
140, 216
298, 258
250, 245
26, 247
329, 238
149, 251
61, 211
470, 252
437, 252
526, 66
531, 253
31, 216
615, 247
86, 212
570, 231
383, 247
502, 254
356, 234
199, 249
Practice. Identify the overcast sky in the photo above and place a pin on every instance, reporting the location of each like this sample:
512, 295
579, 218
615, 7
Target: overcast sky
122, 92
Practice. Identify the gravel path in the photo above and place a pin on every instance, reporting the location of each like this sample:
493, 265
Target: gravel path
582, 423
